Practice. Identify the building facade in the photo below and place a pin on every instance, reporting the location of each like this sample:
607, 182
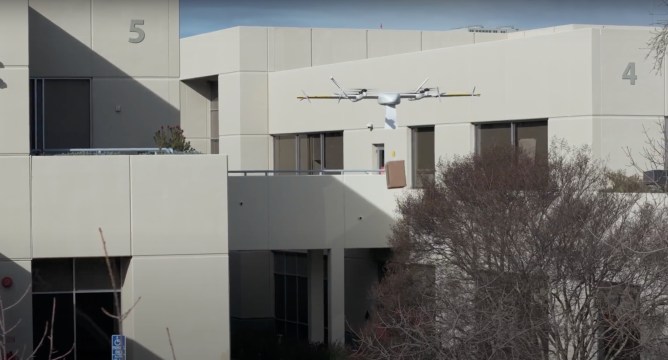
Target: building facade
239, 240
80, 74
587, 85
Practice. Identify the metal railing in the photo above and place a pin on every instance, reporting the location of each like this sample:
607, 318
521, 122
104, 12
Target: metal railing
304, 172
104, 151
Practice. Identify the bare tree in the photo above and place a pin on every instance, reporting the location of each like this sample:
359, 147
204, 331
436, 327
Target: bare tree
46, 341
657, 45
505, 257
653, 158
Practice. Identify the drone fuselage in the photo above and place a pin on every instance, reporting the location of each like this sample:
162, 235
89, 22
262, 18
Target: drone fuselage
389, 99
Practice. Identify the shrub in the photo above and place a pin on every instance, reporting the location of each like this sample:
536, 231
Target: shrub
172, 137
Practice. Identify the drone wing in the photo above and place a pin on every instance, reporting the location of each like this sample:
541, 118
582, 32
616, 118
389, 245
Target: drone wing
319, 97
473, 93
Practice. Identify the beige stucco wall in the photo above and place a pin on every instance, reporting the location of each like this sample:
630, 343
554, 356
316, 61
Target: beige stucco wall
195, 97
179, 204
17, 306
166, 205
134, 87
242, 56
187, 294
73, 196
564, 74
168, 213
99, 31
511, 75
145, 105
14, 77
15, 207
277, 212
277, 48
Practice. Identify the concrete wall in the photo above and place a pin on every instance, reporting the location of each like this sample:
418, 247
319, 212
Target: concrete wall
15, 227
277, 48
567, 74
169, 213
14, 77
196, 113
134, 86
17, 306
187, 294
146, 205
242, 56
277, 212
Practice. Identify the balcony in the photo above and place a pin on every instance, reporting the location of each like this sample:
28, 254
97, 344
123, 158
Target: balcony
284, 210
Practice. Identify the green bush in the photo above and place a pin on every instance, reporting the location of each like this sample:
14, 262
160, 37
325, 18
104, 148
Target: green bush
171, 137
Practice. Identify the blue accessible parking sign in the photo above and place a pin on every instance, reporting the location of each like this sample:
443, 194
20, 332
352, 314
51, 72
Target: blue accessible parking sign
117, 347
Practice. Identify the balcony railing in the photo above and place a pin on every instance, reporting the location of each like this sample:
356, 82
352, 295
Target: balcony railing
106, 151
304, 172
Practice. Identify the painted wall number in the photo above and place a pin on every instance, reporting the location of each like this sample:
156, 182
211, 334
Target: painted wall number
141, 35
630, 73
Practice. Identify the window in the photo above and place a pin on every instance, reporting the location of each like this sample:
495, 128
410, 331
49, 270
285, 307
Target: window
60, 114
80, 287
378, 156
619, 335
308, 153
528, 136
213, 114
424, 163
291, 295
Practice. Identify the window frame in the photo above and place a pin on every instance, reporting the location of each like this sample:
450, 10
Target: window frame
415, 182
513, 131
37, 90
119, 266
298, 139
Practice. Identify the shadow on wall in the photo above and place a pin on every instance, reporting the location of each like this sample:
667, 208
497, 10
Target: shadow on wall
3, 85
289, 212
296, 213
125, 112
15, 283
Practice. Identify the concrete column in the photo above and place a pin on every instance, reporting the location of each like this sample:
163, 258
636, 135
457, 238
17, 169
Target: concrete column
316, 300
336, 293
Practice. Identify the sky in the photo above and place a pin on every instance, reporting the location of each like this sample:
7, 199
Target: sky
200, 16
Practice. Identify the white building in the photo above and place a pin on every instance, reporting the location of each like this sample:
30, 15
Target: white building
585, 84
303, 250
105, 74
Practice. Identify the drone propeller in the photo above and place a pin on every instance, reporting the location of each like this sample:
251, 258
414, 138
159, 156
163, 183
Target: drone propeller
438, 94
306, 97
420, 87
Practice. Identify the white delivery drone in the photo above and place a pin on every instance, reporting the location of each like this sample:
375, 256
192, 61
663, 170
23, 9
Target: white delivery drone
390, 99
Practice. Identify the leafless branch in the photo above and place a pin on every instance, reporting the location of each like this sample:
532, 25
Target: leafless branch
505, 257
171, 344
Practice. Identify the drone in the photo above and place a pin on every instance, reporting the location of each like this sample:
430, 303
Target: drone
389, 99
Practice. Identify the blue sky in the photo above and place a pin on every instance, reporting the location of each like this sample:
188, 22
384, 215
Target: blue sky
199, 16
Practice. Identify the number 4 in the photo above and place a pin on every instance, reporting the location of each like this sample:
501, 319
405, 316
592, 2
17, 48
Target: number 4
140, 32
630, 73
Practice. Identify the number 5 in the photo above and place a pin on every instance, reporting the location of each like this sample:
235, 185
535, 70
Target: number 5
140, 32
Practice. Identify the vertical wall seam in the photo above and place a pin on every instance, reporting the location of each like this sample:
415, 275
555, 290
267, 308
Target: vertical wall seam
30, 208
130, 205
